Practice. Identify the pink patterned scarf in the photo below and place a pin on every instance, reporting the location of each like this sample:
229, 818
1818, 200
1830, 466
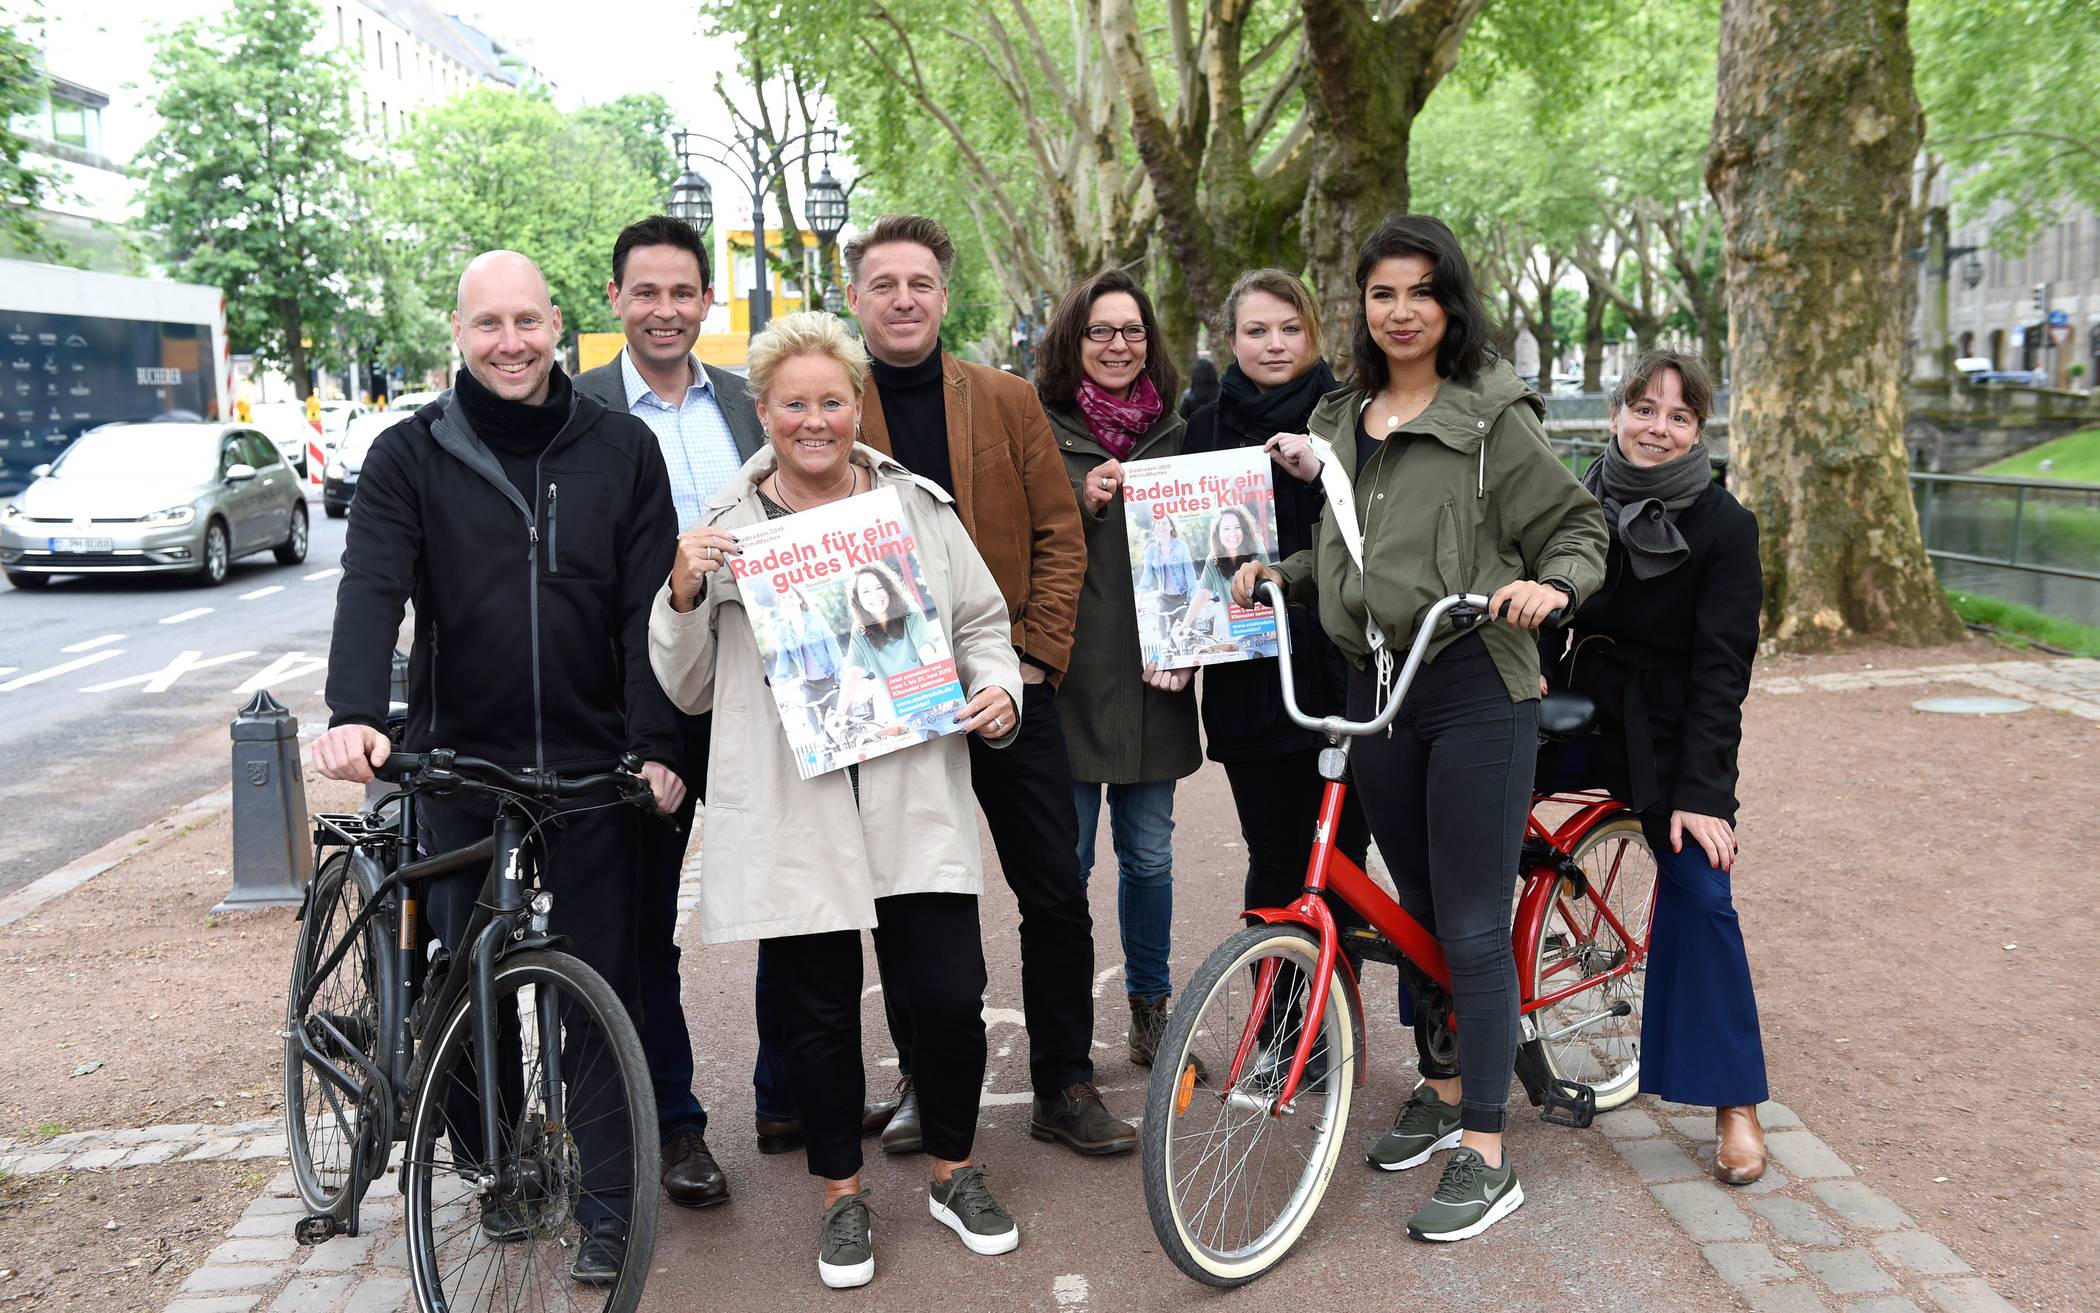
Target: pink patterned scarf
1119, 422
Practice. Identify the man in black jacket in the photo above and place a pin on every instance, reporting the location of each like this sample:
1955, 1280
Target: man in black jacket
531, 527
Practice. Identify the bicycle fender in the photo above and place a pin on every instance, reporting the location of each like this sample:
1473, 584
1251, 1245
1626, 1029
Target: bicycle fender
1289, 916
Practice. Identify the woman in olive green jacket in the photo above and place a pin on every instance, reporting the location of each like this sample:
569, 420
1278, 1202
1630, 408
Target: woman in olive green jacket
1456, 491
1131, 730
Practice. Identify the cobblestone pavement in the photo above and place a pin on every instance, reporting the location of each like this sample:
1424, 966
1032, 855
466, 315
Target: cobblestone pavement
2071, 684
1813, 1235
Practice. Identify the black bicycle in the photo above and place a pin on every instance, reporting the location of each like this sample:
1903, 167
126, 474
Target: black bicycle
529, 1180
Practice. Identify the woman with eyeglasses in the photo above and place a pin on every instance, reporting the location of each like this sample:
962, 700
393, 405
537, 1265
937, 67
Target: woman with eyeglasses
1130, 728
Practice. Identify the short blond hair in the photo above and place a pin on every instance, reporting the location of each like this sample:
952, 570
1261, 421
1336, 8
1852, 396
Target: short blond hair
805, 333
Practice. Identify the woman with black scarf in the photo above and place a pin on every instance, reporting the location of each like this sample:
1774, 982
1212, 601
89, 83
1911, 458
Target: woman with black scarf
1664, 649
1275, 379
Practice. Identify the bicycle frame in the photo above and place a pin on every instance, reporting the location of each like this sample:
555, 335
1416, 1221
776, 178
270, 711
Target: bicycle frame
492, 932
1329, 870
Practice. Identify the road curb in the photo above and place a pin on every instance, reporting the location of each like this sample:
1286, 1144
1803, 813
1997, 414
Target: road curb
147, 838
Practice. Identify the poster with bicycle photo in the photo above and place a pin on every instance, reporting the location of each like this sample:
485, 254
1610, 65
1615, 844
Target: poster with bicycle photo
850, 636
1193, 521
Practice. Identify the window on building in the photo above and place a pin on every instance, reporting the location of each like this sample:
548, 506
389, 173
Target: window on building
379, 50
69, 123
397, 59
339, 25
386, 121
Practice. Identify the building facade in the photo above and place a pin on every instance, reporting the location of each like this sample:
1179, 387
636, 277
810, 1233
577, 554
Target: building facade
2037, 311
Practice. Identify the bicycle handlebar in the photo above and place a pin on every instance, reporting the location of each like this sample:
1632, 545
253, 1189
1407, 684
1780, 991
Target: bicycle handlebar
444, 769
1471, 608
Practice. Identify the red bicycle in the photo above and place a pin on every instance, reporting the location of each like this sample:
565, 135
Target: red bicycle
1249, 1100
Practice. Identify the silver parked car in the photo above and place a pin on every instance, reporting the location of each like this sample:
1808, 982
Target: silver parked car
162, 497
347, 461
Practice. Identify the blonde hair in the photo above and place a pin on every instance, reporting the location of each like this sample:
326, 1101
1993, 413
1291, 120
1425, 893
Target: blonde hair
805, 333
1284, 286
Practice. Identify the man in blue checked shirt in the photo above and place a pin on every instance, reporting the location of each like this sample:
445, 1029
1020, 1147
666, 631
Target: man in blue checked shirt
704, 419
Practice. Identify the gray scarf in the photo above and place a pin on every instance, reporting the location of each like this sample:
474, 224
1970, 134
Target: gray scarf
1641, 504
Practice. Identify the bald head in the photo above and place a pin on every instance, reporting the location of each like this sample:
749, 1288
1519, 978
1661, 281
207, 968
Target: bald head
506, 325
505, 273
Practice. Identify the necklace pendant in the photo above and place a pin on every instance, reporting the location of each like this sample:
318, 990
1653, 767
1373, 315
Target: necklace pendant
1392, 422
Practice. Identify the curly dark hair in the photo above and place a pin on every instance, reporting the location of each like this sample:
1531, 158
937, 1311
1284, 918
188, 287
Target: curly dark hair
1058, 369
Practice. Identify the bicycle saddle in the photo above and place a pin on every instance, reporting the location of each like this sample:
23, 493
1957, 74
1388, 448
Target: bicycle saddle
1566, 715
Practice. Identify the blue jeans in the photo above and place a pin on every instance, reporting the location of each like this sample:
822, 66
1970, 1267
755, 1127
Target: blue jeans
1141, 822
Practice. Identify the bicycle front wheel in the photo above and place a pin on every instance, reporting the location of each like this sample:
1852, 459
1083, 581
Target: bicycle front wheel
1595, 949
333, 1108
1231, 1181
561, 1212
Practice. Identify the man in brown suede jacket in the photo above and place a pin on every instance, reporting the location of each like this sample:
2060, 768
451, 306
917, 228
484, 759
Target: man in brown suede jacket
981, 434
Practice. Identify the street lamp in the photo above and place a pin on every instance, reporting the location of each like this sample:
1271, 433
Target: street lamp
691, 198
825, 207
759, 167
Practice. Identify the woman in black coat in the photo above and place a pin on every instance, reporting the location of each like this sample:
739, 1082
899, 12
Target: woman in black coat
1268, 392
1664, 649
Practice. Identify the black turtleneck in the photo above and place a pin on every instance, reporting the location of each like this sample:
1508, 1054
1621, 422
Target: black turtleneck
915, 408
516, 431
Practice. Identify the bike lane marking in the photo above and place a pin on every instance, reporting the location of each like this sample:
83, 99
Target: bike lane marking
330, 573
180, 616
88, 645
290, 666
62, 668
161, 680
261, 592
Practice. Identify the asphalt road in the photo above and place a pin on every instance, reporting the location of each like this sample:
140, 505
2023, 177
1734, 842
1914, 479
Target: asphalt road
116, 692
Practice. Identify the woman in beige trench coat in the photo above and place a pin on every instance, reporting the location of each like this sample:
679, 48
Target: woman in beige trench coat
889, 845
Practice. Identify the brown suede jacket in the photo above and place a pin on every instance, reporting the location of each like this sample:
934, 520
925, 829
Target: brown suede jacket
1011, 490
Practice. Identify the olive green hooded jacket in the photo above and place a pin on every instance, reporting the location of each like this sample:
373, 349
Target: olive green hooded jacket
1465, 499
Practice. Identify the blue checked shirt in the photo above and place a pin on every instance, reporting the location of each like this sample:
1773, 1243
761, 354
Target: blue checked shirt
698, 449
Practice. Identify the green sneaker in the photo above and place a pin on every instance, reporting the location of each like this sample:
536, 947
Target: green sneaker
1471, 1198
847, 1256
965, 1206
1424, 1125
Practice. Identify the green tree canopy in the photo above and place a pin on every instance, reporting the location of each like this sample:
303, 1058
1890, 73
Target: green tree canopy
642, 123
2012, 103
23, 185
247, 186
497, 169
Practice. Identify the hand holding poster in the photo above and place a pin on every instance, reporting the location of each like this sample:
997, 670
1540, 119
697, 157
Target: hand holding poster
1193, 521
849, 634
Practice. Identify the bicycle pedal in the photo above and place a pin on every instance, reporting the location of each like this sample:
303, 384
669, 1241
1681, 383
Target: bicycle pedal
1569, 1103
317, 1229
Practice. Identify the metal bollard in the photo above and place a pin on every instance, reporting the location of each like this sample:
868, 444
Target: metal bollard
272, 860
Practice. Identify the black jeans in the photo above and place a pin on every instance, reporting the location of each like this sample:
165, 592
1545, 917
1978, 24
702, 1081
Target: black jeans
1446, 795
588, 863
1025, 790
1278, 799
932, 965
665, 1039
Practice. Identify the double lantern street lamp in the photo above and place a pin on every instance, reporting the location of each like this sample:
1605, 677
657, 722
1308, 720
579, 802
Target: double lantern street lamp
759, 166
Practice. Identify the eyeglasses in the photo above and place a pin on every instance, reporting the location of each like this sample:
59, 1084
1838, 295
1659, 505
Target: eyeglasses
1103, 332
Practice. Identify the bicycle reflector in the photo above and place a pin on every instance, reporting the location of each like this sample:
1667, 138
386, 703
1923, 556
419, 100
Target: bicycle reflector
1185, 1089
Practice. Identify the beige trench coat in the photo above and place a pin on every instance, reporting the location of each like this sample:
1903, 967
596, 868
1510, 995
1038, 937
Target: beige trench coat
782, 855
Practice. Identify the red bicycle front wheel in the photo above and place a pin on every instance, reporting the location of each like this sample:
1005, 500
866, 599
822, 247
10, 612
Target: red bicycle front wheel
1231, 1180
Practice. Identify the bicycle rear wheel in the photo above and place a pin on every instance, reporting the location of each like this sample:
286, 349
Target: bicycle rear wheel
577, 1148
1231, 1184
1593, 1036
333, 1109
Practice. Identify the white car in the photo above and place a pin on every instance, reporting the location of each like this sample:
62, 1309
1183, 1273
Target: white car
288, 427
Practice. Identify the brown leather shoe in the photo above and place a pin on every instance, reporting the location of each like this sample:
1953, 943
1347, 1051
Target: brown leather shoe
785, 1136
1078, 1119
691, 1175
1739, 1145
